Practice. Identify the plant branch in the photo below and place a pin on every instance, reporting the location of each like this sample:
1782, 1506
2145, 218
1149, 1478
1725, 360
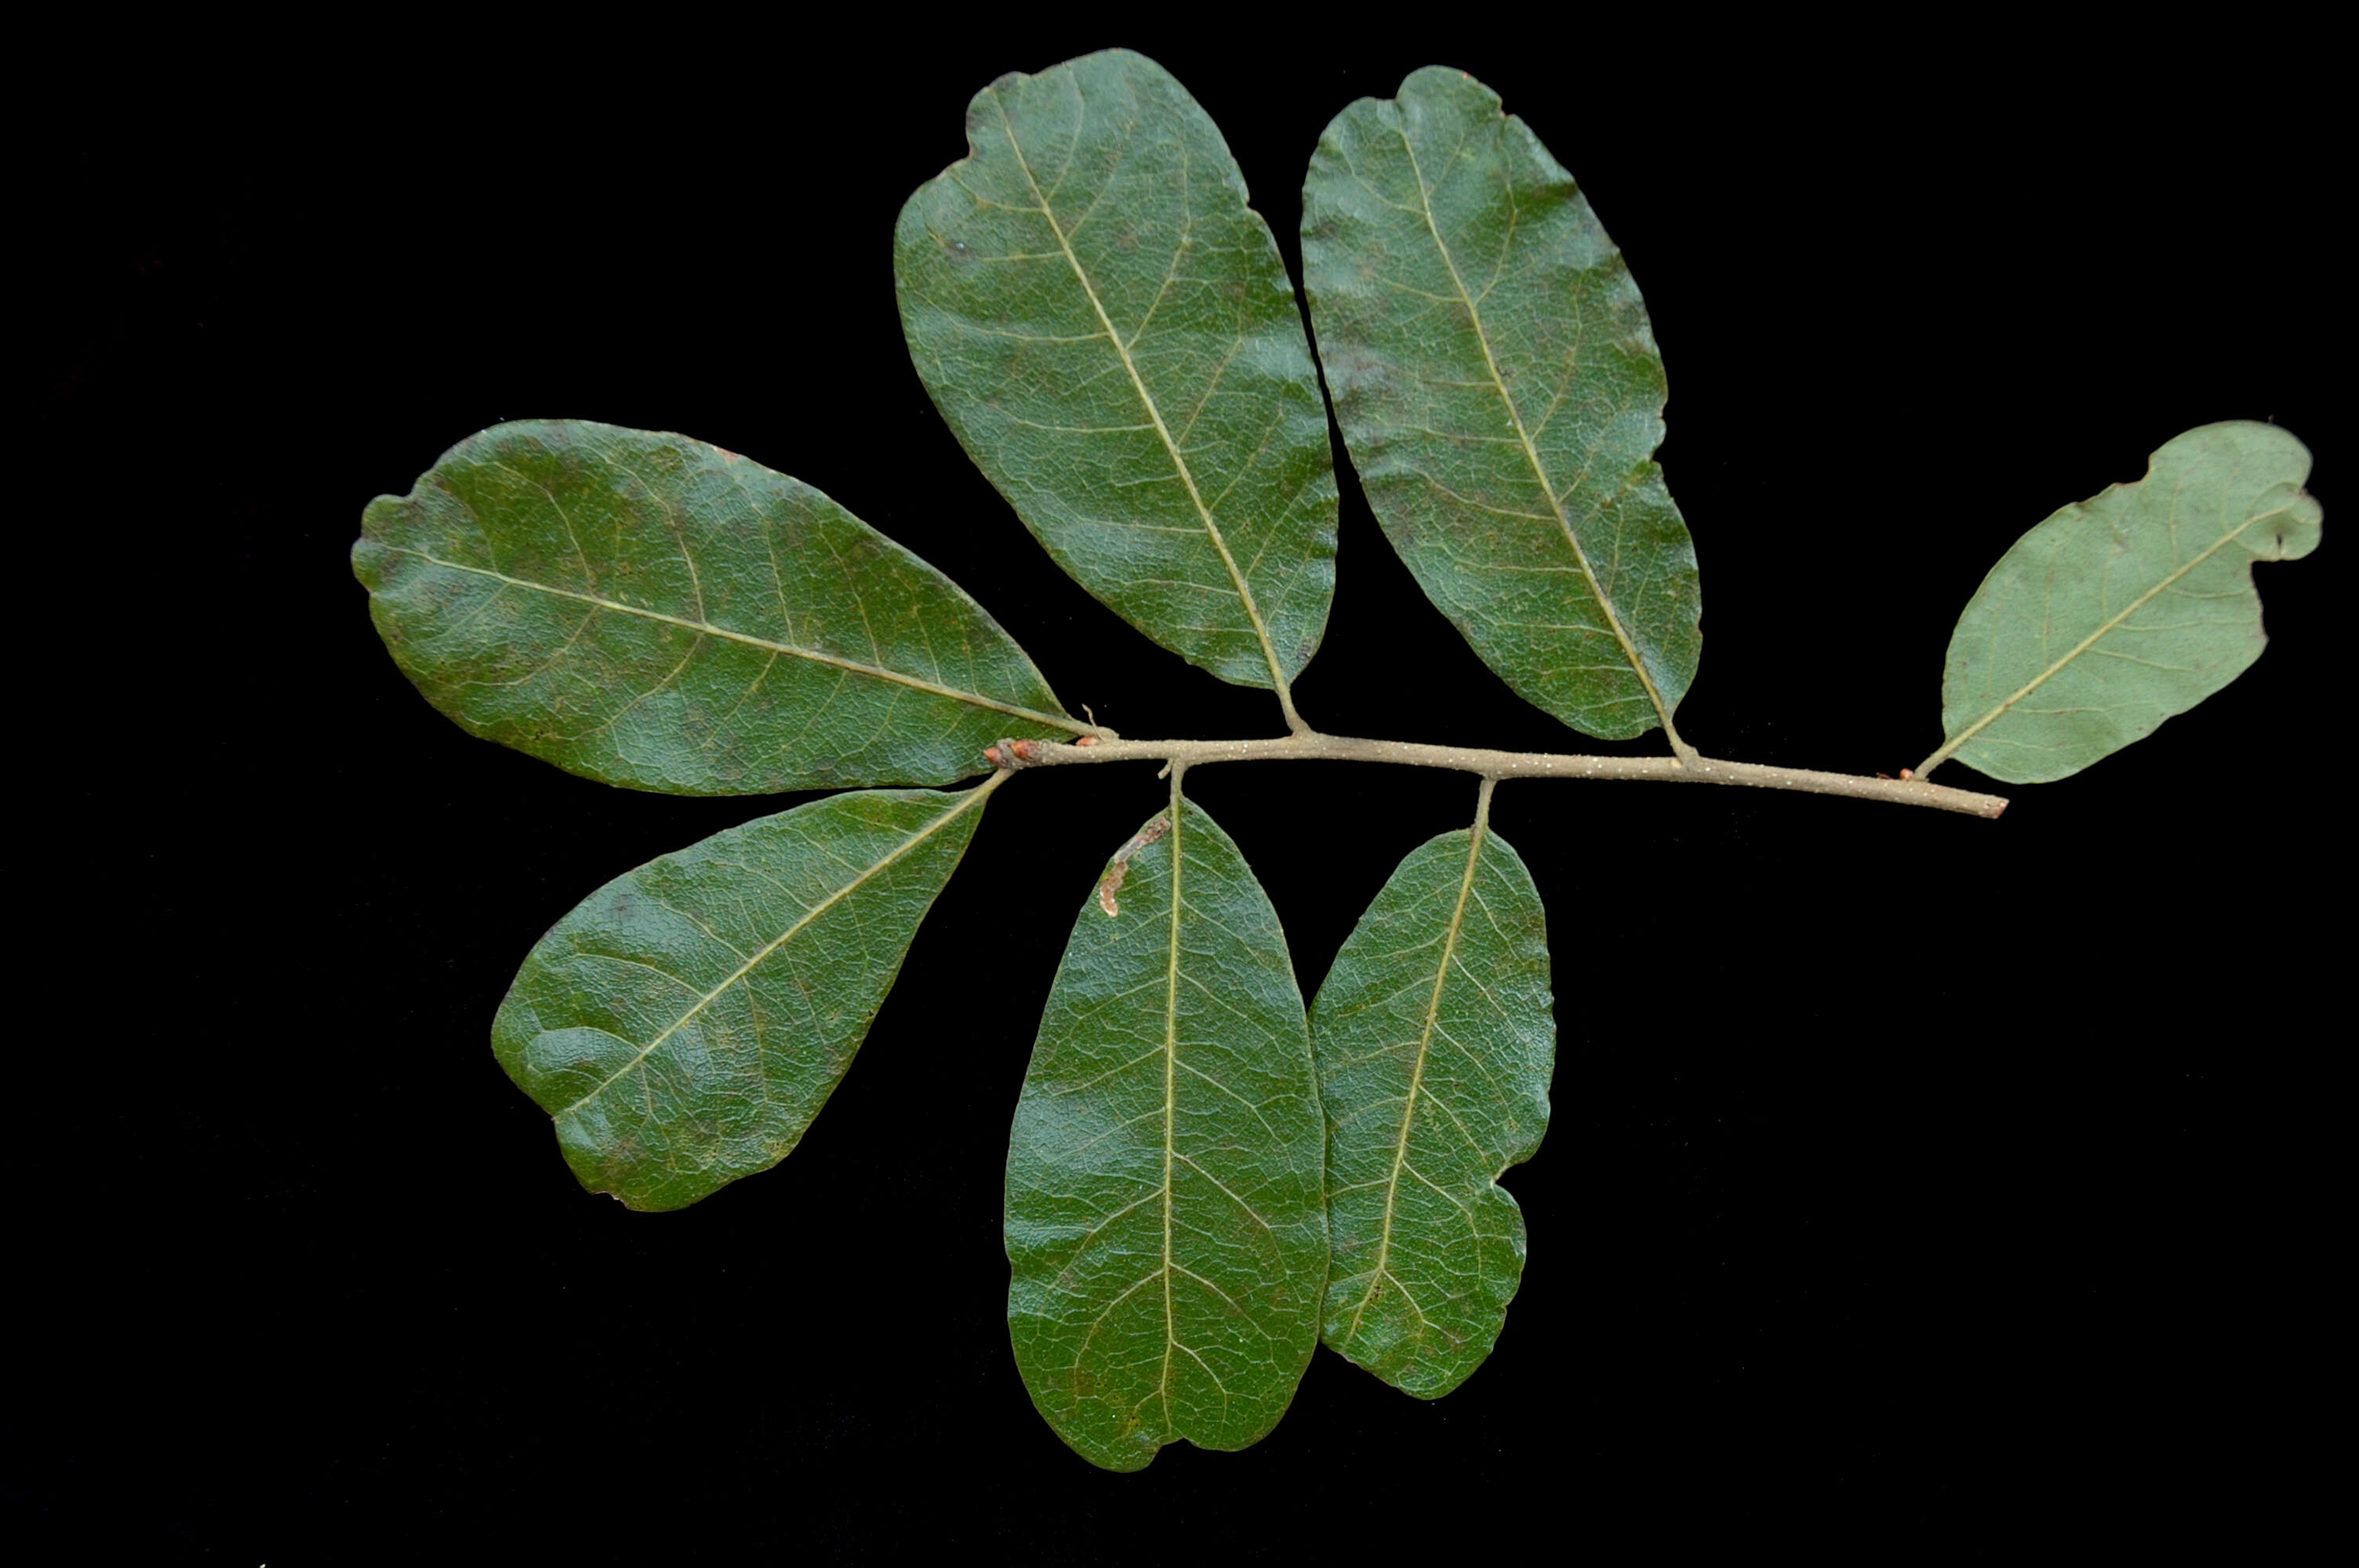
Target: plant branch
1311, 746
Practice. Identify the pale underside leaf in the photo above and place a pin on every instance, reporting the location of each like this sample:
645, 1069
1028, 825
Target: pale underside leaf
654, 612
1110, 332
686, 1021
1435, 1047
1499, 389
1165, 1223
2119, 612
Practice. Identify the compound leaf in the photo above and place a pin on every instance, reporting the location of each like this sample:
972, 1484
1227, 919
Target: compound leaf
1165, 1218
1110, 332
654, 612
686, 1021
1498, 386
1435, 1047
2119, 612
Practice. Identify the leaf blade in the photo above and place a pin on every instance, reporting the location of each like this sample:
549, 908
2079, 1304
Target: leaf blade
1504, 429
1157, 426
2113, 614
654, 613
1165, 1220
1435, 1046
648, 1022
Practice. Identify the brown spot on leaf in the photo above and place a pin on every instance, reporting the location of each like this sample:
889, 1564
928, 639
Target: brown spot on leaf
1121, 867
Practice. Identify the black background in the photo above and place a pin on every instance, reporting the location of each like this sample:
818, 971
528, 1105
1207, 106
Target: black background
1910, 1175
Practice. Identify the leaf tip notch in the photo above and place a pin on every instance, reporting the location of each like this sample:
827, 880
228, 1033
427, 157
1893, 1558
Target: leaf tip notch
2118, 614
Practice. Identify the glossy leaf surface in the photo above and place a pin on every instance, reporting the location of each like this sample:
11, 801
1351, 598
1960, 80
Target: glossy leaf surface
2119, 612
1499, 388
654, 612
686, 1021
1110, 332
1165, 1218
1435, 1048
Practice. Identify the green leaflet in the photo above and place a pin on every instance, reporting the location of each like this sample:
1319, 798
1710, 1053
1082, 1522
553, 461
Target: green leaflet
1499, 388
2119, 612
686, 1021
652, 611
1435, 1047
1110, 332
1165, 1228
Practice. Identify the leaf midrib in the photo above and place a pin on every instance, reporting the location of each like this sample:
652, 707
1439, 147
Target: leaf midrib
1523, 437
973, 798
877, 672
1146, 399
1950, 746
1170, 1096
1416, 1072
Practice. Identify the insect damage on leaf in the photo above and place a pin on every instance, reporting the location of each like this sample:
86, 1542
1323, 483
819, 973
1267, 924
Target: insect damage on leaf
1121, 867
